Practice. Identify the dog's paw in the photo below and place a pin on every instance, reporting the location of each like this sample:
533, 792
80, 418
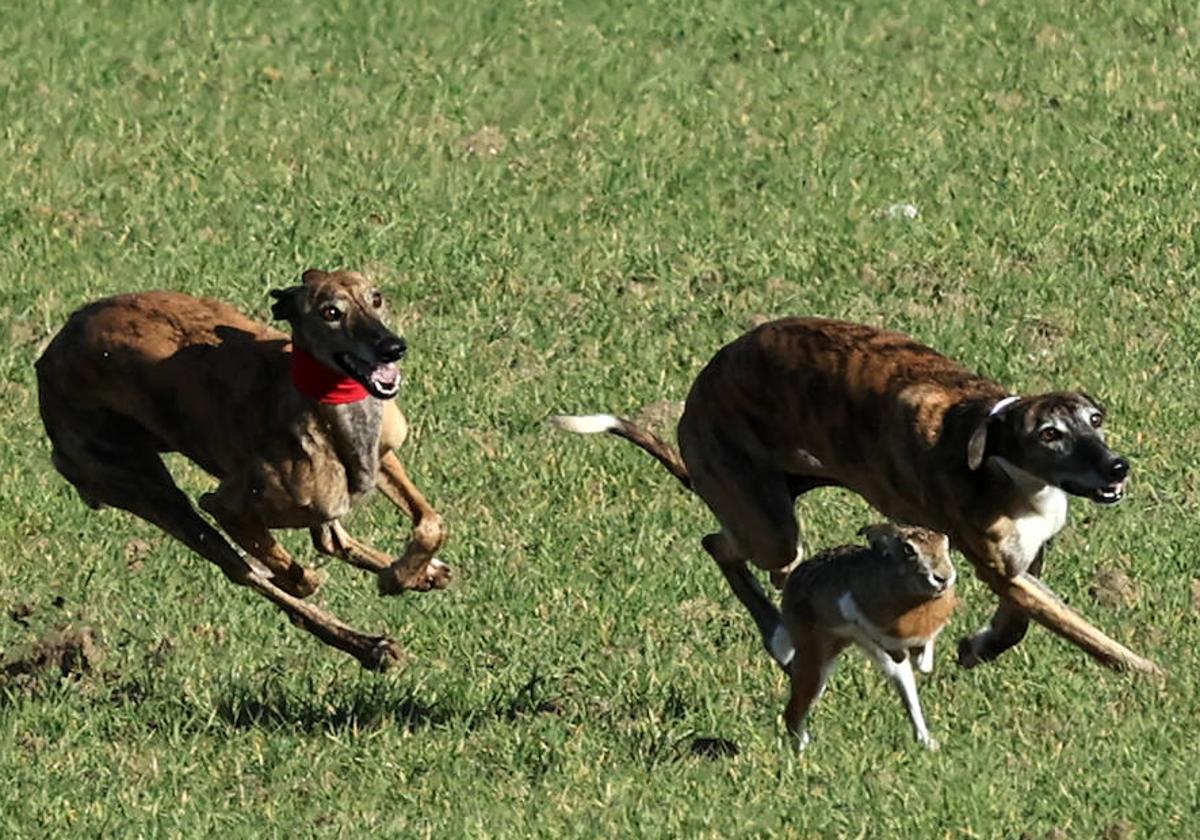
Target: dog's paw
437, 574
383, 655
968, 652
433, 575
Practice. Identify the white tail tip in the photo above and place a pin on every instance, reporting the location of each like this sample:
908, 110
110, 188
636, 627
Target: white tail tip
585, 424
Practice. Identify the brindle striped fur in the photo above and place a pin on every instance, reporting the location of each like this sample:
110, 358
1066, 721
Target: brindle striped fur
803, 403
132, 376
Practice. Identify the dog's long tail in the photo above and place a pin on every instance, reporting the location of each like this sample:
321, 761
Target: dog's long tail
590, 424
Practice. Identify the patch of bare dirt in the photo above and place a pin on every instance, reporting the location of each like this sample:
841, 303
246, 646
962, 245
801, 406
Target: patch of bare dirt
70, 651
1120, 830
487, 142
1113, 588
1007, 101
1047, 330
1049, 36
136, 552
20, 612
700, 610
69, 216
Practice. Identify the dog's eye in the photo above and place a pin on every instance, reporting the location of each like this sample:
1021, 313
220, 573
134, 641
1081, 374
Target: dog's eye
376, 299
331, 313
1050, 434
1097, 419
910, 553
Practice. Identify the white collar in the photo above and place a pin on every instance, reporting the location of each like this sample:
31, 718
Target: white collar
1003, 404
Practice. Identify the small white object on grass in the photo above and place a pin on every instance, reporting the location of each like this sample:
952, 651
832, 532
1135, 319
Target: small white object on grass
901, 210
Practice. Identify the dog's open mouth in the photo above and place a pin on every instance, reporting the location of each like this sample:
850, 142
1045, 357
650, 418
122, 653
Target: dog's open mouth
1105, 494
382, 380
1109, 494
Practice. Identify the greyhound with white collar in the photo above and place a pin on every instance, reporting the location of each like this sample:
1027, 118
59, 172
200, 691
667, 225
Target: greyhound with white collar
802, 403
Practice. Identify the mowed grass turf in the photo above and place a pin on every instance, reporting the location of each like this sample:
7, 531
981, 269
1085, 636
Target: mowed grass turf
572, 206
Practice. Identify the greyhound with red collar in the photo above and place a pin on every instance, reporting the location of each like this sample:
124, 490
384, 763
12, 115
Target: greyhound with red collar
802, 403
297, 431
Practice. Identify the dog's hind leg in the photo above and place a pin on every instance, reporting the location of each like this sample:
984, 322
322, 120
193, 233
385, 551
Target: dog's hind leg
732, 562
136, 480
257, 541
331, 539
797, 486
418, 567
758, 526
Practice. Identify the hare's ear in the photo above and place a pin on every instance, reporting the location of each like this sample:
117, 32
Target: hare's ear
881, 537
287, 303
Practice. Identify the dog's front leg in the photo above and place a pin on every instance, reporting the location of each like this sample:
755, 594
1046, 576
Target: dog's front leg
417, 568
1007, 627
1026, 593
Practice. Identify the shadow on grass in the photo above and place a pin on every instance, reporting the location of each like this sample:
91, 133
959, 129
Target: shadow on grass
269, 705
363, 707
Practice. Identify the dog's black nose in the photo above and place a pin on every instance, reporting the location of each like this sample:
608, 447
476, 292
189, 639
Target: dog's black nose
1118, 469
391, 349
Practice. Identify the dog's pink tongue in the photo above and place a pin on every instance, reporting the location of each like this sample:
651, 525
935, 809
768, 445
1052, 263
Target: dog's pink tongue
386, 375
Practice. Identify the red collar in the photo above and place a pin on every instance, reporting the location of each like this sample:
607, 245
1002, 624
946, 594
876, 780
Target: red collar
325, 385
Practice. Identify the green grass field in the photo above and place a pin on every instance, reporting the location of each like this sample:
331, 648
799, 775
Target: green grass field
572, 206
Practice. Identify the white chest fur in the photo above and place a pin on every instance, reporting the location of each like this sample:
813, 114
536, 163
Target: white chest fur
860, 629
1044, 515
1047, 516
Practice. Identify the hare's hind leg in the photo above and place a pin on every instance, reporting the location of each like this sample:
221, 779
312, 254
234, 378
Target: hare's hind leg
810, 668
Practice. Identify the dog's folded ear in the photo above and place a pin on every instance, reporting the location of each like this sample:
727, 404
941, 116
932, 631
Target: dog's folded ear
1095, 402
977, 445
287, 303
313, 275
